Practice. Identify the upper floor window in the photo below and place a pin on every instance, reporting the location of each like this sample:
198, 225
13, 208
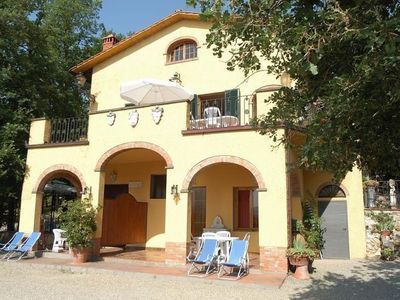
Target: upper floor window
182, 50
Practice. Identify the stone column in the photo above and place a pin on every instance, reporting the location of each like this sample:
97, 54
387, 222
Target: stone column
273, 217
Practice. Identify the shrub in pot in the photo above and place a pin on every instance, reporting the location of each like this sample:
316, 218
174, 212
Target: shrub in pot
78, 219
385, 222
299, 255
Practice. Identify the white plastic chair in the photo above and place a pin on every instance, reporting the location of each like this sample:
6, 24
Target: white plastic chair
212, 114
59, 240
223, 233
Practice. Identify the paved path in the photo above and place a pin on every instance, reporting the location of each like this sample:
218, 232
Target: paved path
332, 280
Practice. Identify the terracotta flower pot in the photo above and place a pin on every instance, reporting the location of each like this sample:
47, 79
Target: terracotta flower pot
80, 256
301, 264
73, 252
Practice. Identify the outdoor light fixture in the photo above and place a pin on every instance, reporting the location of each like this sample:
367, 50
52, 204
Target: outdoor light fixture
285, 79
80, 79
87, 190
174, 189
176, 77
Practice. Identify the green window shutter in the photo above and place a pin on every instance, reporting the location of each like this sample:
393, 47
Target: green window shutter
232, 103
193, 108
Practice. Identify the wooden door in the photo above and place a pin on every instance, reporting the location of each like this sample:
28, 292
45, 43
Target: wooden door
198, 218
124, 221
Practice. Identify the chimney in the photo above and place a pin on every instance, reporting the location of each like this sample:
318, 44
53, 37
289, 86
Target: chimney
109, 41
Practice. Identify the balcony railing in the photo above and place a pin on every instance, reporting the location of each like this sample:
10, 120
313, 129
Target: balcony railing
385, 195
68, 130
222, 112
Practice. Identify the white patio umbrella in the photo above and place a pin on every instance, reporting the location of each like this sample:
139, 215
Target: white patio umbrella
150, 91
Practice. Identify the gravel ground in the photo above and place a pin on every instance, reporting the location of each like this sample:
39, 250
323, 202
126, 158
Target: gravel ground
332, 279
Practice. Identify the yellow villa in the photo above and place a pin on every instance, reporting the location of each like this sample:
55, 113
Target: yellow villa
163, 171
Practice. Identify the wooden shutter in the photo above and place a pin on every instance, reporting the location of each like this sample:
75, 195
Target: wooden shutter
194, 108
232, 103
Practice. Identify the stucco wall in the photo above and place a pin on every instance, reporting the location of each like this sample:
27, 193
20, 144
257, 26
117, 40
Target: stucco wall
207, 74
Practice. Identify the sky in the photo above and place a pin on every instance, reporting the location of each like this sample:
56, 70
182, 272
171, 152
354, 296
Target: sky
123, 16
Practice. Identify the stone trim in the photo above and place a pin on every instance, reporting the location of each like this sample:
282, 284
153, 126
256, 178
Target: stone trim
106, 157
273, 259
224, 159
69, 172
345, 190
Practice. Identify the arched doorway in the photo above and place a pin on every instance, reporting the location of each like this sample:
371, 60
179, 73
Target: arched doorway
56, 192
134, 196
228, 190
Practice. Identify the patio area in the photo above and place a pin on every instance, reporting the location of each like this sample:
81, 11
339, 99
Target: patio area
154, 255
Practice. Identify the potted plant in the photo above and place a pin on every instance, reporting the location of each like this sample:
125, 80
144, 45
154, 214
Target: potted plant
78, 219
370, 187
385, 223
299, 255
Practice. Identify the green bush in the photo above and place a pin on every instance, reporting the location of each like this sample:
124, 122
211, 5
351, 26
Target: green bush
311, 228
387, 254
78, 219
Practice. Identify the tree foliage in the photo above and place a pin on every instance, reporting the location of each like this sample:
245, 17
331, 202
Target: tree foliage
40, 40
343, 57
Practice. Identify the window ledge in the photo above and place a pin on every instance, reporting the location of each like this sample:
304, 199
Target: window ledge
181, 61
54, 145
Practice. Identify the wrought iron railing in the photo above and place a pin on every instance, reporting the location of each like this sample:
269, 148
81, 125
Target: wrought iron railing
382, 194
222, 112
68, 130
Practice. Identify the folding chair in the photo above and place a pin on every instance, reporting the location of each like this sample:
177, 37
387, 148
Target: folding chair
26, 246
13, 243
237, 259
205, 258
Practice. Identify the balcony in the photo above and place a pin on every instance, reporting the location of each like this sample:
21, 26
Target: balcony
226, 112
58, 132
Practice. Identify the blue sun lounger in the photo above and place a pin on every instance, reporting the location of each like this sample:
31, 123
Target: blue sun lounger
13, 243
205, 260
237, 259
26, 246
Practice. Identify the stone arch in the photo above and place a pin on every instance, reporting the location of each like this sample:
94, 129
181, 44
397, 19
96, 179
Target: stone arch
106, 157
60, 170
224, 159
342, 187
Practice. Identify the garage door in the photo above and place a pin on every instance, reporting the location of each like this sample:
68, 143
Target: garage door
334, 219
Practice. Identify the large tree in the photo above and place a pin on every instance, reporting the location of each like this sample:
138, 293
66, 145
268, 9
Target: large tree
40, 40
344, 59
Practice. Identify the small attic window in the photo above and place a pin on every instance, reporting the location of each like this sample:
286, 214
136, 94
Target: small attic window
182, 50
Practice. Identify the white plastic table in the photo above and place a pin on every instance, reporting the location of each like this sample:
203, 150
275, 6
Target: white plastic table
223, 242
